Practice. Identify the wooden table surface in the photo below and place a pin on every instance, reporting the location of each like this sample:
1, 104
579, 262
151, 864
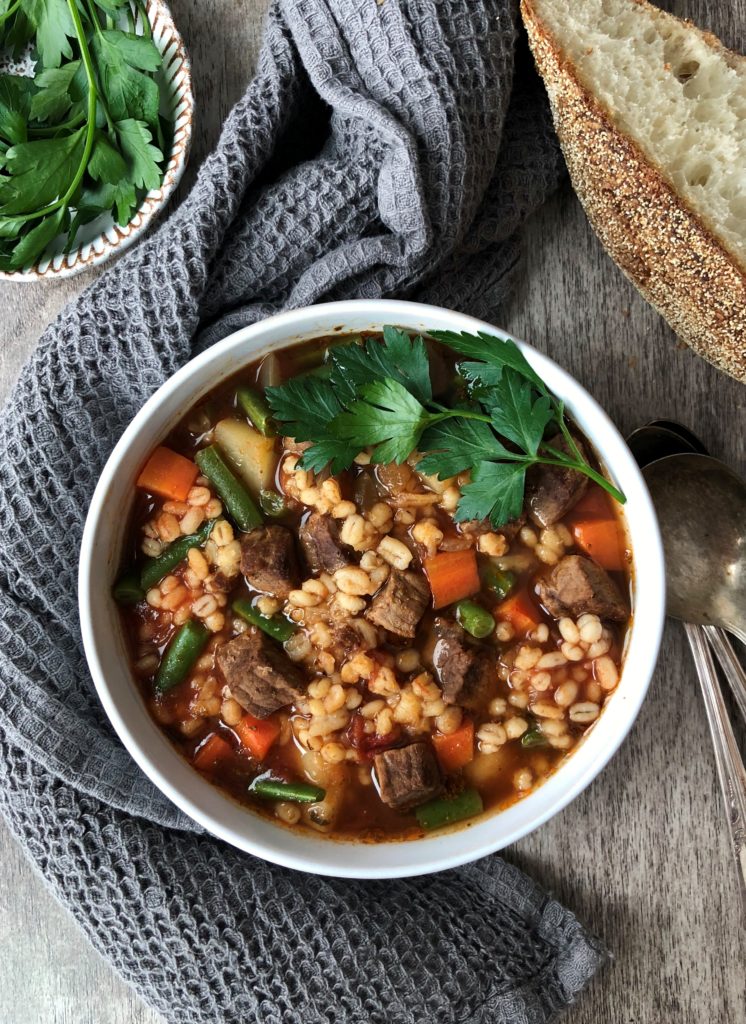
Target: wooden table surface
642, 855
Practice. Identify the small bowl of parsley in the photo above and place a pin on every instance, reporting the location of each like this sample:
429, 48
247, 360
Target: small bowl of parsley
95, 127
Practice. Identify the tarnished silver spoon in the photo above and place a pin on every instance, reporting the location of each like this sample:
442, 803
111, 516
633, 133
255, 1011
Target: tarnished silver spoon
701, 507
656, 440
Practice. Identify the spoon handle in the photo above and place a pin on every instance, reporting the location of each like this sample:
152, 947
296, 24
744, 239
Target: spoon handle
730, 769
732, 668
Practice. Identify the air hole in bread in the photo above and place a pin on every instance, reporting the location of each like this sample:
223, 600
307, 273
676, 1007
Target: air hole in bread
686, 70
698, 174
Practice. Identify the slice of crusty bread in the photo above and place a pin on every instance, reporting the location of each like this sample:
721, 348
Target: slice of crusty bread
651, 115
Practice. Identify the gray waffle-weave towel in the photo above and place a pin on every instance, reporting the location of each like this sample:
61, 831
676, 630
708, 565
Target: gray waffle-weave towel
383, 148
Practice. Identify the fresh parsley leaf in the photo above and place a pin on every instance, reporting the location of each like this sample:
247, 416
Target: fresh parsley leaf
60, 145
397, 357
40, 172
481, 375
495, 493
95, 201
106, 163
33, 244
454, 445
14, 108
142, 157
388, 417
517, 413
360, 407
336, 453
111, 6
18, 33
10, 228
138, 51
128, 92
491, 352
307, 407
54, 29
52, 98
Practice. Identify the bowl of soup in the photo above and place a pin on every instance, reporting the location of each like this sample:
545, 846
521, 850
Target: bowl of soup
370, 589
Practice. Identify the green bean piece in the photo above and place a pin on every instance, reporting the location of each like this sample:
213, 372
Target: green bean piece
154, 569
306, 360
256, 408
187, 644
234, 495
276, 626
474, 619
297, 792
446, 810
533, 738
499, 582
272, 503
128, 590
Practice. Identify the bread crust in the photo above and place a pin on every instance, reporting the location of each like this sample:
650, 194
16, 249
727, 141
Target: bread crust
657, 240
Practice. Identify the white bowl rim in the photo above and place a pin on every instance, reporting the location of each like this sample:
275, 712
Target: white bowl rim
284, 846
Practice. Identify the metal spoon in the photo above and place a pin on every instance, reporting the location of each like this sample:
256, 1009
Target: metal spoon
653, 441
658, 439
701, 507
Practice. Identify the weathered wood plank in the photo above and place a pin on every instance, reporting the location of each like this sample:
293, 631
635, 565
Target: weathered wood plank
642, 855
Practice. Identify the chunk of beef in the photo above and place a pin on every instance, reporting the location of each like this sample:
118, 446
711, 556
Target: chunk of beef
467, 673
346, 643
552, 491
269, 561
400, 603
319, 539
513, 528
258, 673
218, 583
408, 776
577, 585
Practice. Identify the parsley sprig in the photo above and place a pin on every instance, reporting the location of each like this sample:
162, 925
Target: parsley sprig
84, 136
378, 395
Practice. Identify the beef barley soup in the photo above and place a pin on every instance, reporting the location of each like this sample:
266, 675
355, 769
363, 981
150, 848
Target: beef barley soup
375, 585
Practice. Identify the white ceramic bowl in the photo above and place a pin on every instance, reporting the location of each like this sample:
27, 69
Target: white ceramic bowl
103, 237
109, 663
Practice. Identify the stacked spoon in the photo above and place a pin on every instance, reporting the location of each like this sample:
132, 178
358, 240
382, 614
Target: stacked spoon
701, 507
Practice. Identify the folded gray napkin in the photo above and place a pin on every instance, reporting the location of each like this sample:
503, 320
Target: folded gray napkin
383, 148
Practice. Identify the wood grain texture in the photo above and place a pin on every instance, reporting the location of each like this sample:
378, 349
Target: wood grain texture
642, 855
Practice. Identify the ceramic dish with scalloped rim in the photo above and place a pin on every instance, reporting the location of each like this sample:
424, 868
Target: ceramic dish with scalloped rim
103, 237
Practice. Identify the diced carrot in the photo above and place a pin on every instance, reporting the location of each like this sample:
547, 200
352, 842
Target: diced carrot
257, 734
452, 575
520, 611
214, 749
457, 749
601, 539
596, 529
168, 474
594, 504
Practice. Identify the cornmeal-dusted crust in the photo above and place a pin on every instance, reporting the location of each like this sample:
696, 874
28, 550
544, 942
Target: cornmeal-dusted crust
667, 250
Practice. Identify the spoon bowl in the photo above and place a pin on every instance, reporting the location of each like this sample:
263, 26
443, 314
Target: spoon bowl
701, 507
655, 441
688, 438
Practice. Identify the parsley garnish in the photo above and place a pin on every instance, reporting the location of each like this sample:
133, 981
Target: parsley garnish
379, 396
84, 136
